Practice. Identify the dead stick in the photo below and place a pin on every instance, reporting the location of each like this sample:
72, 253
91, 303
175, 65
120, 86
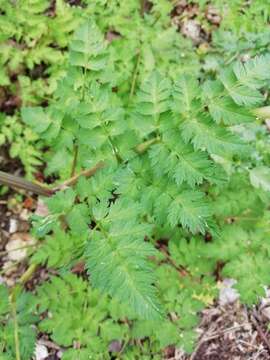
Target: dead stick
260, 332
75, 178
208, 337
20, 183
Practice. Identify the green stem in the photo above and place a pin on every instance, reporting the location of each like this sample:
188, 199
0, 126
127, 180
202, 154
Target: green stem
142, 6
75, 158
115, 151
135, 75
74, 179
28, 274
143, 147
16, 327
17, 289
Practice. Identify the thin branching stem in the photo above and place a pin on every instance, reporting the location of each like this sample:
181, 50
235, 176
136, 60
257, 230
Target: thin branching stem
20, 183
74, 161
15, 321
135, 75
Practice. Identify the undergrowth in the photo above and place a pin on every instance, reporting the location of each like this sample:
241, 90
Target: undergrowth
180, 188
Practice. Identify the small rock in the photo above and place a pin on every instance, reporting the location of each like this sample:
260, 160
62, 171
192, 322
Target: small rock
24, 215
10, 282
228, 295
15, 249
13, 225
41, 209
191, 29
41, 352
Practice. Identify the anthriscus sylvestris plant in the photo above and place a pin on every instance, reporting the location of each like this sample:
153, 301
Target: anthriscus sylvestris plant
180, 185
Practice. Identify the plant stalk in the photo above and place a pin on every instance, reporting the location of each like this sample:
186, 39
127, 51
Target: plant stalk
20, 183
75, 178
74, 161
16, 327
135, 75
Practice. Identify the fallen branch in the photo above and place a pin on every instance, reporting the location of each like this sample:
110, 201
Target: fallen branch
86, 173
44, 190
20, 183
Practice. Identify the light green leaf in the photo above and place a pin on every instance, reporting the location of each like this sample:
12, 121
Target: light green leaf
260, 177
36, 118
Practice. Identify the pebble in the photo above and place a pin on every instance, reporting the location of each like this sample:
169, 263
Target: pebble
191, 29
13, 225
228, 295
16, 247
15, 250
41, 352
25, 214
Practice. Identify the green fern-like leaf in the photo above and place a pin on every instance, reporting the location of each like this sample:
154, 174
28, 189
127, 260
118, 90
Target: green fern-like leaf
117, 259
253, 73
241, 94
87, 49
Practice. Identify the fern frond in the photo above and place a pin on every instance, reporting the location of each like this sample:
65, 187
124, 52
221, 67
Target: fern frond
185, 93
241, 94
183, 164
153, 97
221, 107
254, 73
117, 260
205, 135
190, 210
88, 48
226, 111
